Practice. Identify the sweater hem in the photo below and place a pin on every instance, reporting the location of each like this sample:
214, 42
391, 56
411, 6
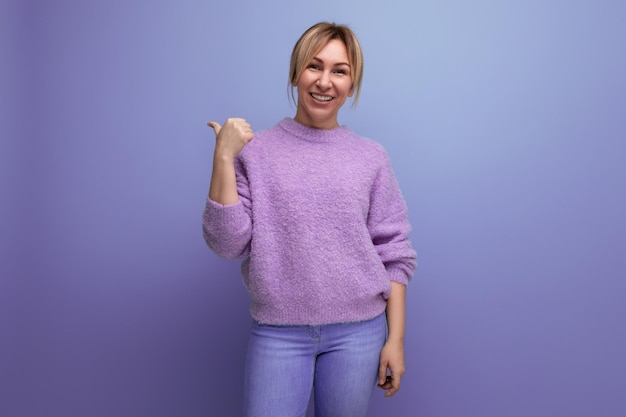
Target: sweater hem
274, 317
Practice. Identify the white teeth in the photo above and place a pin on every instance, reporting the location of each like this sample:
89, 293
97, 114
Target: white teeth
321, 98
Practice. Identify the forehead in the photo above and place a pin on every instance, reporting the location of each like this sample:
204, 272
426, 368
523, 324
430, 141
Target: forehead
334, 51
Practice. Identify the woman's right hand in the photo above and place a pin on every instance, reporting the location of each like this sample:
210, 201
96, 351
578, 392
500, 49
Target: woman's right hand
232, 137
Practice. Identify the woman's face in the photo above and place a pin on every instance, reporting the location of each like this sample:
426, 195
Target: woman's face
324, 86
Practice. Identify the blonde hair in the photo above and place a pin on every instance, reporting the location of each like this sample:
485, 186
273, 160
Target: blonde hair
313, 40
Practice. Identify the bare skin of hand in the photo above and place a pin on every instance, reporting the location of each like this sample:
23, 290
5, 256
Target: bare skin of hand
392, 359
232, 137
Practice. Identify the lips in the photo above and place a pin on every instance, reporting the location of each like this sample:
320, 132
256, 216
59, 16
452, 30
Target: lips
321, 97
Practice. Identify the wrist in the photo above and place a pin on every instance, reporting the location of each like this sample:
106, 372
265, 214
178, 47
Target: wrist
223, 158
395, 340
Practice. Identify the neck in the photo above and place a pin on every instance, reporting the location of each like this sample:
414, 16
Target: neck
322, 124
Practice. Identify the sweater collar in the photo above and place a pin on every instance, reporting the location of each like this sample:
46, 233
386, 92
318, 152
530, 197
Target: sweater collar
312, 134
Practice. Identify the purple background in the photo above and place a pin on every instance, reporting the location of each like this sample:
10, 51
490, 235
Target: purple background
506, 125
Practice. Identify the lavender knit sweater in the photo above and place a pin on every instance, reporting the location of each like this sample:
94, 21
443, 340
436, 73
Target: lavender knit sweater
320, 224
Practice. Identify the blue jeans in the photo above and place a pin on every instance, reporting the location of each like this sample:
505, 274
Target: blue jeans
337, 362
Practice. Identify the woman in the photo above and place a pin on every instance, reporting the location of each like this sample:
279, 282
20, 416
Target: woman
316, 215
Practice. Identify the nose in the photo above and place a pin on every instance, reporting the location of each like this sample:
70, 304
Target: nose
323, 81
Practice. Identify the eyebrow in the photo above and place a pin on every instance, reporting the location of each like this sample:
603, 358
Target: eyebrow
336, 64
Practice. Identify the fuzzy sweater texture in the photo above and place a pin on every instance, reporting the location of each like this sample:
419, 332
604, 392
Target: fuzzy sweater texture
320, 224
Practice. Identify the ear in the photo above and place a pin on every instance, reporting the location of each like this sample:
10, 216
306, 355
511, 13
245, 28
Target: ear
351, 91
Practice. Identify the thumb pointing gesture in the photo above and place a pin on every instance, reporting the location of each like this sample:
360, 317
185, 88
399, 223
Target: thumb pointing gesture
216, 127
232, 137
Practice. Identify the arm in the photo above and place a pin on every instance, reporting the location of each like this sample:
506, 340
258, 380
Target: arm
229, 141
389, 226
389, 229
392, 354
226, 219
223, 188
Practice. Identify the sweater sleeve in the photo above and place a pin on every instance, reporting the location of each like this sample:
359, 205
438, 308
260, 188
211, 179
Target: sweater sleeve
389, 226
227, 229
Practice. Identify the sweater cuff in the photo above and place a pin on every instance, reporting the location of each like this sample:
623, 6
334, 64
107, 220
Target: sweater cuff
398, 275
223, 215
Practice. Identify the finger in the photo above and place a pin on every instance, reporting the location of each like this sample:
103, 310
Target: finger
216, 127
391, 392
382, 374
246, 128
387, 384
393, 386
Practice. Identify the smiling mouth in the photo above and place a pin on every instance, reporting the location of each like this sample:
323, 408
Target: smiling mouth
321, 98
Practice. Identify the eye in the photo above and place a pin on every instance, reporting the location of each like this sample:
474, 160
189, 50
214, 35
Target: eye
314, 67
341, 71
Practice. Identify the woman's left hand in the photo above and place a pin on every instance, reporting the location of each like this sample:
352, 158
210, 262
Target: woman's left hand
392, 359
